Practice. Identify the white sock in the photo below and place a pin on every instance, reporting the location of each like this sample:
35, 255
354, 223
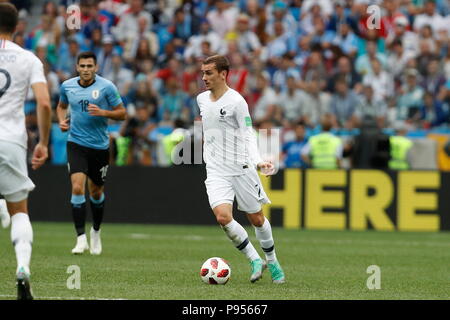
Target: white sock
265, 238
22, 239
239, 237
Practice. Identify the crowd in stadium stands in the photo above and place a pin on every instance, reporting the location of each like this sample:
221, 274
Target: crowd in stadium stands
293, 61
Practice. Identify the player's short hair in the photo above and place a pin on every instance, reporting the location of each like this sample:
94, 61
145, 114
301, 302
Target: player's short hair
8, 18
87, 55
221, 63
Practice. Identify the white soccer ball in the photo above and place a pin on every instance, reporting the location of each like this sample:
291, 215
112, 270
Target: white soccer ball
215, 271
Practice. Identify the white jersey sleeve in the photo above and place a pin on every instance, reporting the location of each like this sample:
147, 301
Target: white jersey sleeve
19, 69
245, 125
37, 71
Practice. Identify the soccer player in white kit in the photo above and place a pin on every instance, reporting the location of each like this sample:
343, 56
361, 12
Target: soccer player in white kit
19, 69
231, 156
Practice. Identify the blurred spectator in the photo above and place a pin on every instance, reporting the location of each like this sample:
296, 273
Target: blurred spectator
345, 70
338, 16
50, 8
428, 17
370, 107
292, 149
410, 40
252, 11
169, 53
315, 104
47, 35
247, 40
411, 97
133, 146
371, 35
237, 77
191, 111
432, 113
290, 102
446, 62
380, 80
302, 53
321, 36
193, 49
315, 68
266, 105
144, 45
122, 77
392, 12
223, 17
173, 100
181, 29
104, 58
434, 80
426, 54
286, 69
343, 105
95, 44
280, 13
143, 93
398, 59
309, 14
363, 63
326, 6
93, 19
346, 39
281, 43
67, 62
128, 26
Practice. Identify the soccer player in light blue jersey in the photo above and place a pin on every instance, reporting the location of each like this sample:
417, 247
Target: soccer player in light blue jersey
92, 100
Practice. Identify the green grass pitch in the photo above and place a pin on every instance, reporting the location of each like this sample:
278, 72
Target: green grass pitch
163, 262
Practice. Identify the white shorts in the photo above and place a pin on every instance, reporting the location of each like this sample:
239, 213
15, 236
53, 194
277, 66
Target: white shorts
14, 181
247, 188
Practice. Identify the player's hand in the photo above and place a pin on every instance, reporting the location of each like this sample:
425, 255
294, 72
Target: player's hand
64, 125
94, 110
267, 168
40, 155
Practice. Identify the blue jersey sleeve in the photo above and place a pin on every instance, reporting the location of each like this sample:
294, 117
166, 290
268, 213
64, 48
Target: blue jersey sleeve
113, 95
62, 95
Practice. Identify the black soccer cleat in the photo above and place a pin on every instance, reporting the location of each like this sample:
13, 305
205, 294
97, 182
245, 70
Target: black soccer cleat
23, 286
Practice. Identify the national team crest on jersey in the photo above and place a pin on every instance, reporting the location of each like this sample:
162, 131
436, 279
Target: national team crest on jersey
95, 94
222, 114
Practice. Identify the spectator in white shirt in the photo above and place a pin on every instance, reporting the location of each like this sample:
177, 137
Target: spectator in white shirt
380, 80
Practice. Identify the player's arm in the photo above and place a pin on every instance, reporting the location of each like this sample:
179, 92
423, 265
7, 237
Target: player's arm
61, 113
44, 118
117, 113
245, 124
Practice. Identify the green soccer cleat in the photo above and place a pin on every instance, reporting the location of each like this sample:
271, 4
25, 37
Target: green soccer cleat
23, 286
277, 272
258, 266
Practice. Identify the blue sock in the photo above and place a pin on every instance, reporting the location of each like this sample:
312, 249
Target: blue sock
79, 213
97, 207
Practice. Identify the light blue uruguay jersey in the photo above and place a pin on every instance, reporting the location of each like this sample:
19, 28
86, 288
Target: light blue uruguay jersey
86, 130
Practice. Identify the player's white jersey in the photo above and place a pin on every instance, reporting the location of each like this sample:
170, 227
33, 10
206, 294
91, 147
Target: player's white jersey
19, 69
229, 141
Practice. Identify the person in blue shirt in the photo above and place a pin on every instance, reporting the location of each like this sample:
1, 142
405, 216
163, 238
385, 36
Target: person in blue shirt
92, 100
292, 149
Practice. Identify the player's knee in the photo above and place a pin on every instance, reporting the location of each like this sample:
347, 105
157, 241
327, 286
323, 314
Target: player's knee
223, 219
257, 219
96, 194
77, 189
